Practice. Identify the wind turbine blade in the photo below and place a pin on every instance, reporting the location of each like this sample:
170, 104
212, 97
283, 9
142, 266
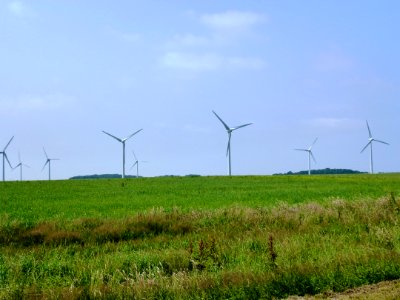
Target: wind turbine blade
306, 150
237, 127
314, 142
382, 142
118, 139
312, 155
45, 153
132, 134
369, 130
309, 148
17, 166
134, 164
45, 164
365, 147
134, 155
223, 123
5, 155
228, 148
8, 144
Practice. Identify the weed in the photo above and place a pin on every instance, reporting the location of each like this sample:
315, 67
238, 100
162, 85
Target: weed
271, 250
3, 271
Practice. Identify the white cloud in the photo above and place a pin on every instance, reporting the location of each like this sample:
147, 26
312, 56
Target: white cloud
232, 20
206, 52
194, 62
20, 9
209, 62
224, 28
36, 102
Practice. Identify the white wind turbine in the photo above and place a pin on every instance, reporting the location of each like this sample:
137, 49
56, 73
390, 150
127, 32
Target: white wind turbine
229, 130
310, 155
370, 141
48, 162
123, 147
136, 163
5, 158
20, 165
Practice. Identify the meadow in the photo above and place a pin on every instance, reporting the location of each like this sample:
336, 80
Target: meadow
198, 237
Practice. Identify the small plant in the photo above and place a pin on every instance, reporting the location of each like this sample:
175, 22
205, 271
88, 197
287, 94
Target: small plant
190, 248
207, 257
271, 250
3, 271
394, 202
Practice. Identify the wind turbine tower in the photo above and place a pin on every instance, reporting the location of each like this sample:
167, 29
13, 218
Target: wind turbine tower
310, 155
136, 163
20, 165
370, 141
5, 158
229, 130
48, 162
123, 147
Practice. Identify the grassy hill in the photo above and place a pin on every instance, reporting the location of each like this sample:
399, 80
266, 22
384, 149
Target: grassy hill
198, 237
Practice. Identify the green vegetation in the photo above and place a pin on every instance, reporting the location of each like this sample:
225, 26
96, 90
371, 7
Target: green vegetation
101, 176
325, 171
198, 237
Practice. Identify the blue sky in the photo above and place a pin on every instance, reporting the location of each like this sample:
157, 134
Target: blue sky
296, 69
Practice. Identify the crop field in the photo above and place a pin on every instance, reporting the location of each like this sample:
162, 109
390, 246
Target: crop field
198, 237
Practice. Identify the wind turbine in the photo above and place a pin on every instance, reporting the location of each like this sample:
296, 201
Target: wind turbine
229, 130
123, 147
136, 163
5, 158
48, 161
20, 165
310, 155
370, 141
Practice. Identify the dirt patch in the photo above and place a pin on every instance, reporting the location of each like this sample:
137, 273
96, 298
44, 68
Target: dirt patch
383, 290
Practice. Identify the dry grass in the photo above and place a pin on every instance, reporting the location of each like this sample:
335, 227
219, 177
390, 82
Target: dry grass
243, 252
386, 290
96, 230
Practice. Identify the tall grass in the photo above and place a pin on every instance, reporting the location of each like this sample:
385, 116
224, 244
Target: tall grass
235, 251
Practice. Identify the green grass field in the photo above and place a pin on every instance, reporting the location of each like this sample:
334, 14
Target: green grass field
198, 237
43, 200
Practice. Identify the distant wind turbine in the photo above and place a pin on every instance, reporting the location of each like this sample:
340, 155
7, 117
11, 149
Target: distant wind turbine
20, 165
48, 162
123, 147
5, 158
370, 141
229, 130
136, 163
310, 155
